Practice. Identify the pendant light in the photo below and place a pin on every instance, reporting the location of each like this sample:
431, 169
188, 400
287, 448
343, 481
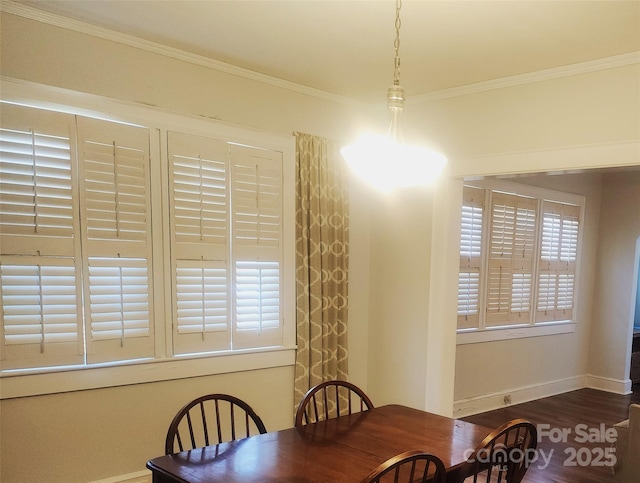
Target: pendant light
385, 161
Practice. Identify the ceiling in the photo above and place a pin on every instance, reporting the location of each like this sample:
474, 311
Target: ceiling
346, 47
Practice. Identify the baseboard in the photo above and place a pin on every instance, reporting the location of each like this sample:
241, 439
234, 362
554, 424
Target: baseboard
618, 386
143, 476
489, 402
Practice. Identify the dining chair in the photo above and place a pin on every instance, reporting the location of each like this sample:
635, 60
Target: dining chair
331, 399
212, 419
504, 455
409, 467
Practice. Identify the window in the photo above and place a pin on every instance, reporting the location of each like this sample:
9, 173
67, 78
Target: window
518, 260
124, 243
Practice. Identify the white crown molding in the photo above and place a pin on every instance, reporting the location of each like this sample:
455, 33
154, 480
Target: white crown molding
25, 11
529, 78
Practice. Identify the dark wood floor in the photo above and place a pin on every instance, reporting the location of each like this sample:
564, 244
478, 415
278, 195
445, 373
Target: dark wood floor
595, 412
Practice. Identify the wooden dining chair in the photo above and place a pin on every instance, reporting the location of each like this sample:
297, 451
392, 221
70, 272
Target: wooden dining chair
504, 455
331, 399
211, 419
409, 467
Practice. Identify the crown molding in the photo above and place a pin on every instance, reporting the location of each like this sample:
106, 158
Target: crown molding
529, 78
25, 11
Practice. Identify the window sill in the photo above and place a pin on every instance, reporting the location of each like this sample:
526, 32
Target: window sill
474, 336
13, 385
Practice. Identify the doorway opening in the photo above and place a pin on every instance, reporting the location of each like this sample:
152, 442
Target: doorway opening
634, 372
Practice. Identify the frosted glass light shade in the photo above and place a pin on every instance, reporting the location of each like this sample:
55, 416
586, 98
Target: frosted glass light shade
387, 164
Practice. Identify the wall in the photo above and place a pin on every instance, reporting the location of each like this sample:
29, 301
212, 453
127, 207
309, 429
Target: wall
89, 435
399, 298
610, 346
588, 120
636, 319
95, 434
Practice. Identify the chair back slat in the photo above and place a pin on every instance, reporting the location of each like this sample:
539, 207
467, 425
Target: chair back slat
191, 432
409, 467
204, 426
504, 455
215, 413
330, 399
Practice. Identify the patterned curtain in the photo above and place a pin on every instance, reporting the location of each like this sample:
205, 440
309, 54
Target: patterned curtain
322, 256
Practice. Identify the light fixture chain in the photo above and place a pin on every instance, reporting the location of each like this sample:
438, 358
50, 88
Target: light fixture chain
396, 44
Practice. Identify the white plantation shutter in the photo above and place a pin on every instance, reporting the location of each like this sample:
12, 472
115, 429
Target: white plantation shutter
199, 173
557, 264
511, 248
41, 318
82, 267
470, 257
256, 199
528, 274
226, 211
116, 207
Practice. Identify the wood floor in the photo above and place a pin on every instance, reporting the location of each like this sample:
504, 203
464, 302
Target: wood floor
582, 414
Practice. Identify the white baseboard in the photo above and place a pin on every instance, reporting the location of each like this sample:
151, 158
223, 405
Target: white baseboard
489, 402
618, 386
143, 476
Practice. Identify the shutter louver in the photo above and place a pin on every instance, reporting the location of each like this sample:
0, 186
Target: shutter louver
470, 257
257, 194
199, 177
114, 180
512, 228
36, 178
558, 255
201, 307
37, 204
257, 302
115, 201
42, 325
468, 299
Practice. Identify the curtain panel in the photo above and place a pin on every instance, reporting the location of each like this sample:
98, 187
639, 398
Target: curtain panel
322, 259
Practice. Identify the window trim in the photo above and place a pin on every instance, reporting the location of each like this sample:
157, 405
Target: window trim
165, 366
58, 380
533, 329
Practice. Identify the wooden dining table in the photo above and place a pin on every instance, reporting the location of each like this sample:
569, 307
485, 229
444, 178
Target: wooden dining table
343, 449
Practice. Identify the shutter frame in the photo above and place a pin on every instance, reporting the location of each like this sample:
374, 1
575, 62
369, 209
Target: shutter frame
471, 251
38, 219
115, 200
511, 251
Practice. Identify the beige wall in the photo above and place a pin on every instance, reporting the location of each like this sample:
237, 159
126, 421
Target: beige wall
399, 298
586, 121
89, 435
613, 310
400, 282
589, 109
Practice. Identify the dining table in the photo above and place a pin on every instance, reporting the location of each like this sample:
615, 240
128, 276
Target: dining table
342, 449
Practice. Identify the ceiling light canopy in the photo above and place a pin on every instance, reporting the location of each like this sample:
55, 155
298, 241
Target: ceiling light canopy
385, 161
